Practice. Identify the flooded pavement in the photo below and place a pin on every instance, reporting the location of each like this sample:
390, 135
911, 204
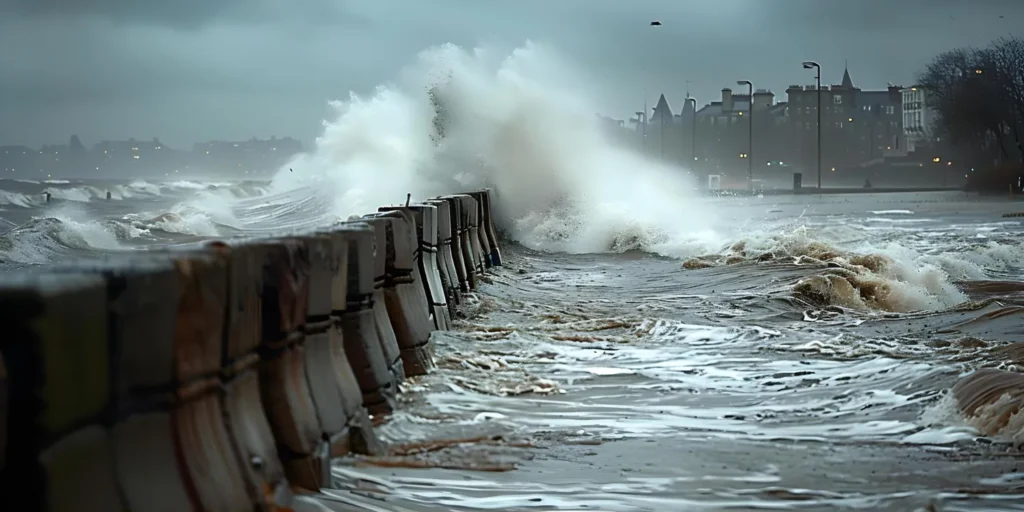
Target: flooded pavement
792, 370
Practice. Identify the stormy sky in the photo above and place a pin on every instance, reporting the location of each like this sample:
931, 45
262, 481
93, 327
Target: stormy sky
190, 70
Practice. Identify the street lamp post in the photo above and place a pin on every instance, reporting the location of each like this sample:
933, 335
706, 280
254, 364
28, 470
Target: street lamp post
814, 65
642, 118
693, 130
750, 134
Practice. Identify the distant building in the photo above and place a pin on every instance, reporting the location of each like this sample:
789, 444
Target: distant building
253, 156
918, 118
723, 135
857, 126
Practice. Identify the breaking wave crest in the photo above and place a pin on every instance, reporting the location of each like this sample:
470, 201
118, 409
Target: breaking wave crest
890, 277
522, 124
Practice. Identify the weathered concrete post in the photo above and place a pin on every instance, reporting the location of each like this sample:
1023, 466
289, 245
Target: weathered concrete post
367, 337
403, 295
446, 264
425, 259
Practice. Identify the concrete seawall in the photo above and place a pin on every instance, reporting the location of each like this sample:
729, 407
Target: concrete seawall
226, 378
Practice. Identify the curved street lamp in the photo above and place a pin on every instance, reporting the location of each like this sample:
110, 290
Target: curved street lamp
693, 130
814, 65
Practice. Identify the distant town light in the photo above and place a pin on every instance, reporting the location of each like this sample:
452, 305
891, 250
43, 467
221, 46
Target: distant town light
135, 157
914, 89
978, 72
833, 169
741, 113
936, 159
949, 163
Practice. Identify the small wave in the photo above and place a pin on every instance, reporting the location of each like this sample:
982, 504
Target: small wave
57, 182
43, 239
892, 212
190, 185
18, 199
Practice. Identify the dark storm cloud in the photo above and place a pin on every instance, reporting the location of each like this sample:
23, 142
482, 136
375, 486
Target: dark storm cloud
186, 14
190, 70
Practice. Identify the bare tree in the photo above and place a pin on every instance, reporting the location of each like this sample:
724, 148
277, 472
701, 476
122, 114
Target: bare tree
978, 95
1006, 56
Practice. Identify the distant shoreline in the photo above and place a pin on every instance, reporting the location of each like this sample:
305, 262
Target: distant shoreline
831, 191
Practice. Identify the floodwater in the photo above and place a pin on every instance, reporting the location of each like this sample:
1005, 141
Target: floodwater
807, 369
806, 363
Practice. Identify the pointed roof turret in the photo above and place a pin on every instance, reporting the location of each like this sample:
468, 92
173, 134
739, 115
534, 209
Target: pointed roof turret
662, 109
847, 81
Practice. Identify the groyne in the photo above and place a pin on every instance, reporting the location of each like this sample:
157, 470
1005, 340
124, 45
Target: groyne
226, 378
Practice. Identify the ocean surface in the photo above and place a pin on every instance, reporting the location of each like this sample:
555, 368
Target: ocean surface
787, 352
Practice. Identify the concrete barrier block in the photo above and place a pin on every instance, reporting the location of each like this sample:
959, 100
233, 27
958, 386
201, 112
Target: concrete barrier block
244, 287
484, 242
405, 271
288, 404
254, 441
446, 266
457, 253
326, 261
426, 259
492, 232
396, 290
369, 342
166, 319
57, 356
471, 210
202, 309
488, 234
365, 297
77, 474
366, 357
403, 295
465, 210
285, 294
333, 384
142, 299
340, 277
182, 458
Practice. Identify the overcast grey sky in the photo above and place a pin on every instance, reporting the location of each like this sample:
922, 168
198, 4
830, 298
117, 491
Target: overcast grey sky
189, 70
